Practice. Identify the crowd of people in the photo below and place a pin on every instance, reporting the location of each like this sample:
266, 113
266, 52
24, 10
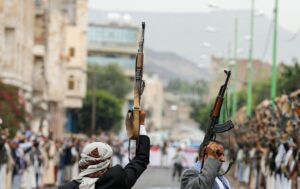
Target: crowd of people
266, 146
30, 160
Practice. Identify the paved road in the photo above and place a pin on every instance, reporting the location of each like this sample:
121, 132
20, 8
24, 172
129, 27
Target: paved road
156, 178
160, 178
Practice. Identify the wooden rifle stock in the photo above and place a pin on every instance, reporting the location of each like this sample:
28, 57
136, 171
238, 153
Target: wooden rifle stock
218, 106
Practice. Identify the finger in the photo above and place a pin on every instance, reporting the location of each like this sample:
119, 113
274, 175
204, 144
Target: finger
222, 159
219, 153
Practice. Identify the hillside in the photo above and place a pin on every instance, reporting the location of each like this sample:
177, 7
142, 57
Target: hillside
169, 65
185, 33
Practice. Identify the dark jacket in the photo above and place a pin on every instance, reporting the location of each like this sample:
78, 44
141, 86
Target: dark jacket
122, 178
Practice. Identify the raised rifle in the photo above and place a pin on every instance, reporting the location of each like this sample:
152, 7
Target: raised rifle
133, 128
214, 127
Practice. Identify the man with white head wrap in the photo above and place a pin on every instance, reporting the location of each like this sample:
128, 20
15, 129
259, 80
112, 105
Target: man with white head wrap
95, 165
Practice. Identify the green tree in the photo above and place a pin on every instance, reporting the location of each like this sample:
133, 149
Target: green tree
109, 78
289, 80
261, 91
12, 109
183, 87
108, 112
201, 114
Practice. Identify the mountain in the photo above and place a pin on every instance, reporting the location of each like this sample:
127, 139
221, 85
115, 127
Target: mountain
186, 34
169, 65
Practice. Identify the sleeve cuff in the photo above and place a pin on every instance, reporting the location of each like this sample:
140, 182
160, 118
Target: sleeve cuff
143, 130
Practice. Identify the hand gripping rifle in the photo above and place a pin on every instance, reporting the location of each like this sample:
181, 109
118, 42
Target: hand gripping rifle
214, 127
133, 129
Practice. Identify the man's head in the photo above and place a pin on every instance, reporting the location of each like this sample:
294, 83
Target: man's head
95, 159
214, 150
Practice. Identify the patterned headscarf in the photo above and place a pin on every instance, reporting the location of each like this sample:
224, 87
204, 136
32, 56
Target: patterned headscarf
95, 161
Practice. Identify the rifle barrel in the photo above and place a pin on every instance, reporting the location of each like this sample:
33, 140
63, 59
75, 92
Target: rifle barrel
141, 44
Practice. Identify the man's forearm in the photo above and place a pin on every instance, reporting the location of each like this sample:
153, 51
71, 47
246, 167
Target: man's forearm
139, 163
192, 179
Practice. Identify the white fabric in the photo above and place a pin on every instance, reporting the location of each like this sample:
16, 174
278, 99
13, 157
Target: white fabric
3, 169
220, 184
287, 157
280, 156
143, 130
105, 153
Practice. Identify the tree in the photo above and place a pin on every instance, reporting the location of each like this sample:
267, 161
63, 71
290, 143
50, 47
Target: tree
108, 112
12, 109
110, 78
289, 80
184, 87
201, 114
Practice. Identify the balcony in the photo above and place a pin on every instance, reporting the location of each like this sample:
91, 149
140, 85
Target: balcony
125, 63
39, 50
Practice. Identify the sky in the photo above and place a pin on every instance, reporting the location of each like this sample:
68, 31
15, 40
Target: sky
289, 14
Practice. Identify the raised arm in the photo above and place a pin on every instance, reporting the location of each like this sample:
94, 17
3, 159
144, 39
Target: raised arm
192, 179
198, 178
139, 163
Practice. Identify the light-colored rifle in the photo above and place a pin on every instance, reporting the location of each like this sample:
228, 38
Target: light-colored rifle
133, 128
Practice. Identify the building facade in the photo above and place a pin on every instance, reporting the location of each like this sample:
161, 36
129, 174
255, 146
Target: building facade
113, 42
153, 100
261, 71
61, 34
45, 58
16, 34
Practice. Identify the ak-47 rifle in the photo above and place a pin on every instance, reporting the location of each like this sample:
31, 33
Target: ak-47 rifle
214, 127
133, 129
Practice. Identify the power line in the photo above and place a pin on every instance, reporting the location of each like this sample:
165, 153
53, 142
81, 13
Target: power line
295, 36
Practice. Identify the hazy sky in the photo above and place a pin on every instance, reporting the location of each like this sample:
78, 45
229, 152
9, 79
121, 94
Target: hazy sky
289, 17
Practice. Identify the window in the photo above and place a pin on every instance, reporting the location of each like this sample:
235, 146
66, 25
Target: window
72, 52
71, 83
9, 44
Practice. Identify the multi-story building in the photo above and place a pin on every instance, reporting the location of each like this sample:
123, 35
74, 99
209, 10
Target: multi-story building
16, 34
153, 101
60, 43
261, 71
43, 53
75, 49
113, 42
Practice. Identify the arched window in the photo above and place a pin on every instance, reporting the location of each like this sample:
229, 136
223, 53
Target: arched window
71, 83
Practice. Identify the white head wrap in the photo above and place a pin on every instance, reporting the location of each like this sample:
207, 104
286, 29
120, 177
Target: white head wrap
104, 153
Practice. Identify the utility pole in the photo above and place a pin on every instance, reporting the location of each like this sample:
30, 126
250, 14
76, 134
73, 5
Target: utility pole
250, 62
274, 65
229, 93
93, 126
224, 108
234, 90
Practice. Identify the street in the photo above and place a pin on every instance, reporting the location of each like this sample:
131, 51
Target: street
157, 178
160, 178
